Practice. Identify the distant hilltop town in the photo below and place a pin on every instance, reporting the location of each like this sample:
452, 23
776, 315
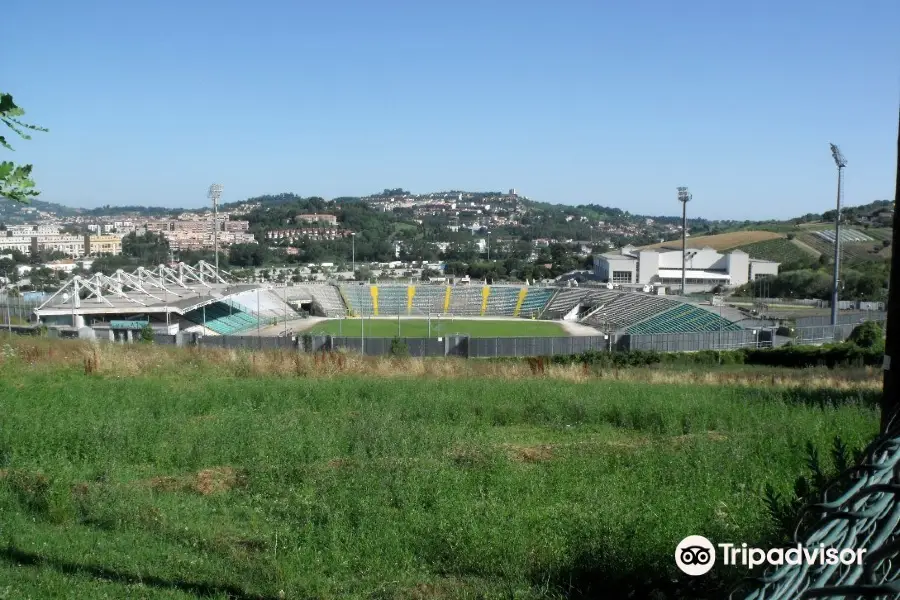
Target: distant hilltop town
79, 233
103, 236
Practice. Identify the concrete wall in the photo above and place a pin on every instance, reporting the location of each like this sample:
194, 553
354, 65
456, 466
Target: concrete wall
738, 267
760, 269
601, 268
648, 266
624, 264
703, 258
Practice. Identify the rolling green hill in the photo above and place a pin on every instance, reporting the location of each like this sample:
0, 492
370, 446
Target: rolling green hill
780, 250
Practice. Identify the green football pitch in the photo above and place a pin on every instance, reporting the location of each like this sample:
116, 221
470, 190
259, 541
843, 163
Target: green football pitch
418, 328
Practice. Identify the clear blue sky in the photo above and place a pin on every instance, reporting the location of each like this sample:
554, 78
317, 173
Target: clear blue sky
614, 103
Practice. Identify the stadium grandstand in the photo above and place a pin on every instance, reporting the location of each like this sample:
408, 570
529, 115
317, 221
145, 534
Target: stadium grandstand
608, 310
169, 299
197, 299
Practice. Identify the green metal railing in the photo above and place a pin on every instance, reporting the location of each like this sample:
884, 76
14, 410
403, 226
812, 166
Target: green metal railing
860, 510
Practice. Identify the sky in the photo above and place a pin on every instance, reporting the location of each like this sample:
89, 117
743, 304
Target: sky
570, 102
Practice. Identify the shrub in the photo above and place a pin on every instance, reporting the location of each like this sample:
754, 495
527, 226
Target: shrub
785, 331
798, 357
789, 355
147, 334
867, 335
399, 347
787, 512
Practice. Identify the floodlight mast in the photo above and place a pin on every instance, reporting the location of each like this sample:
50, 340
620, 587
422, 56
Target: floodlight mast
215, 192
889, 399
684, 197
840, 162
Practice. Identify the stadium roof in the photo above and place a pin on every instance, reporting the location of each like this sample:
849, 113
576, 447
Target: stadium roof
178, 289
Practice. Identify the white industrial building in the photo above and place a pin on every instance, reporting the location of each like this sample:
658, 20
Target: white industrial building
705, 268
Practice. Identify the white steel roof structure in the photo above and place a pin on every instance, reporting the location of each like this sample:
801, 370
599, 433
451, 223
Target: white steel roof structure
178, 289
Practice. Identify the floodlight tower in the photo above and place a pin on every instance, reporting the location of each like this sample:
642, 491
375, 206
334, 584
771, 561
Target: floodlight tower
840, 162
684, 197
889, 400
215, 192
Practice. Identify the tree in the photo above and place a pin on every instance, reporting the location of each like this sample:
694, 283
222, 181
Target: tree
147, 334
15, 180
151, 248
248, 255
868, 335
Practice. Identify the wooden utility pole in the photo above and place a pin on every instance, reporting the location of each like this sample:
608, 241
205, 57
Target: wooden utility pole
890, 401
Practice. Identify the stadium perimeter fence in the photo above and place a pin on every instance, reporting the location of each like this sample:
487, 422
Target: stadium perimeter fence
465, 346
854, 318
493, 347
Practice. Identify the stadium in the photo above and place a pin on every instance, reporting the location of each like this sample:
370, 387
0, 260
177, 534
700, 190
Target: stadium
198, 299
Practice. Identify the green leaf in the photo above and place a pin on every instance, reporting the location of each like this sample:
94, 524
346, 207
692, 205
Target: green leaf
15, 180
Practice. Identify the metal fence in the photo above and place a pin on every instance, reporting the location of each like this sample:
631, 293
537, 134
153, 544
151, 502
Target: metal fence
825, 334
693, 342
469, 347
464, 346
237, 342
854, 318
813, 303
858, 511
786, 301
536, 346
17, 309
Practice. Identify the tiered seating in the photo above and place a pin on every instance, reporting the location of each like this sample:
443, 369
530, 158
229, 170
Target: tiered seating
429, 299
359, 299
565, 299
597, 297
265, 303
535, 301
683, 319
627, 309
502, 301
328, 298
465, 300
392, 299
223, 318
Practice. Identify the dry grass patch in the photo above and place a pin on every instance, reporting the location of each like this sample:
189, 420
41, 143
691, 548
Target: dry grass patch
806, 378
206, 482
723, 241
114, 360
529, 454
537, 453
24, 479
339, 463
203, 418
443, 590
464, 456
713, 436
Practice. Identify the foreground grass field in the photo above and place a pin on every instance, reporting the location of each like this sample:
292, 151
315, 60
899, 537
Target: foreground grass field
439, 327
144, 472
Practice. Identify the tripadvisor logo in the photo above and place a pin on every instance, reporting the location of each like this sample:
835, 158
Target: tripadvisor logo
696, 555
